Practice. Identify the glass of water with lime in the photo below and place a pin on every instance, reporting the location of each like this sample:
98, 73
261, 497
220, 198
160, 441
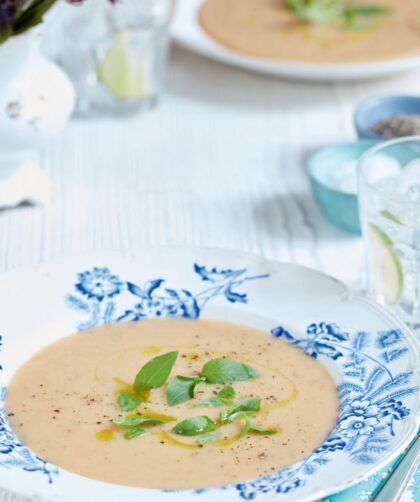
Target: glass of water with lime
115, 52
389, 202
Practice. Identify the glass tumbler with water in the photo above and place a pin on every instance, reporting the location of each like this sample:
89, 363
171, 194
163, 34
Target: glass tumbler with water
115, 53
389, 202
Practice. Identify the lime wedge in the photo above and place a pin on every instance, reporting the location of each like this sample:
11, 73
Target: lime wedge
390, 216
388, 279
121, 75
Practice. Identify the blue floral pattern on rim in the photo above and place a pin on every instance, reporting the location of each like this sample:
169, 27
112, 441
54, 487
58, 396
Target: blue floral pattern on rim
371, 401
14, 454
96, 289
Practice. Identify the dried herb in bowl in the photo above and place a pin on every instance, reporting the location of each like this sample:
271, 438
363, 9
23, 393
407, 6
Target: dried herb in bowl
398, 126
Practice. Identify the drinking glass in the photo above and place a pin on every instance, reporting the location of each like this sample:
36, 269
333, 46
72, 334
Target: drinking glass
115, 53
389, 202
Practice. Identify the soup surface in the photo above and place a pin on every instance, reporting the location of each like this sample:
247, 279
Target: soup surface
61, 403
266, 29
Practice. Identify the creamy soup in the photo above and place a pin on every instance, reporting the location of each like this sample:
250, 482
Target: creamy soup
63, 401
266, 29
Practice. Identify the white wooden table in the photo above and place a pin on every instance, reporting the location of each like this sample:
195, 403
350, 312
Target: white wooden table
220, 162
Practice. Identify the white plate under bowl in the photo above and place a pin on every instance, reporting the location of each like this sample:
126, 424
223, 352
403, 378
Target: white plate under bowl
187, 32
372, 356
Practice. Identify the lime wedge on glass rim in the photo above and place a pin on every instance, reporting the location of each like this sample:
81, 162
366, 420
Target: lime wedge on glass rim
387, 272
119, 72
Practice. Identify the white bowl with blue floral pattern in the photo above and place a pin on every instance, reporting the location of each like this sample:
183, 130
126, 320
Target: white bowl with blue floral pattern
373, 357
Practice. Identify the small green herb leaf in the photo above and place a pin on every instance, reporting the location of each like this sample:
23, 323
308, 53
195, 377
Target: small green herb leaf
352, 15
227, 391
208, 438
194, 426
133, 433
226, 370
155, 373
315, 11
240, 411
215, 402
246, 427
135, 421
181, 389
128, 401
359, 16
257, 429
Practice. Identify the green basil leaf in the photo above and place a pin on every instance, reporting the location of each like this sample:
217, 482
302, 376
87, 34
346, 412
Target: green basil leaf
227, 391
155, 373
366, 10
240, 411
32, 15
257, 429
128, 401
181, 389
208, 438
194, 426
360, 16
330, 11
215, 402
246, 427
226, 417
315, 11
226, 371
135, 421
133, 433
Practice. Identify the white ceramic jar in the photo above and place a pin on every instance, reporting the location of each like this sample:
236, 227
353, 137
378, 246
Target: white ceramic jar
36, 98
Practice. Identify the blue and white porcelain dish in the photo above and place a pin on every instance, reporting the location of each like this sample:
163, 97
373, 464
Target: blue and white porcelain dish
373, 357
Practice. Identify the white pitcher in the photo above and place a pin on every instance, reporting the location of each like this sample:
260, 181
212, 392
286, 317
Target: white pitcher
36, 98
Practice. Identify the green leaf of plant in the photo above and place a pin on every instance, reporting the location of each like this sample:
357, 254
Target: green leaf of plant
133, 433
315, 11
208, 438
31, 15
359, 16
246, 427
240, 411
194, 426
330, 11
155, 373
129, 422
181, 389
367, 10
128, 401
226, 370
227, 391
215, 402
258, 429
5, 34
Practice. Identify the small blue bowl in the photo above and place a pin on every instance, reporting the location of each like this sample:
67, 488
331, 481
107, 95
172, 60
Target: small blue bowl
372, 110
338, 205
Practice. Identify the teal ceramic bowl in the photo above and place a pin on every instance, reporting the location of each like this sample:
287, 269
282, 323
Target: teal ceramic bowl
332, 174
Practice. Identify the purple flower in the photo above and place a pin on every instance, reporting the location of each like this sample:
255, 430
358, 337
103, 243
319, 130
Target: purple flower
8, 11
17, 16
